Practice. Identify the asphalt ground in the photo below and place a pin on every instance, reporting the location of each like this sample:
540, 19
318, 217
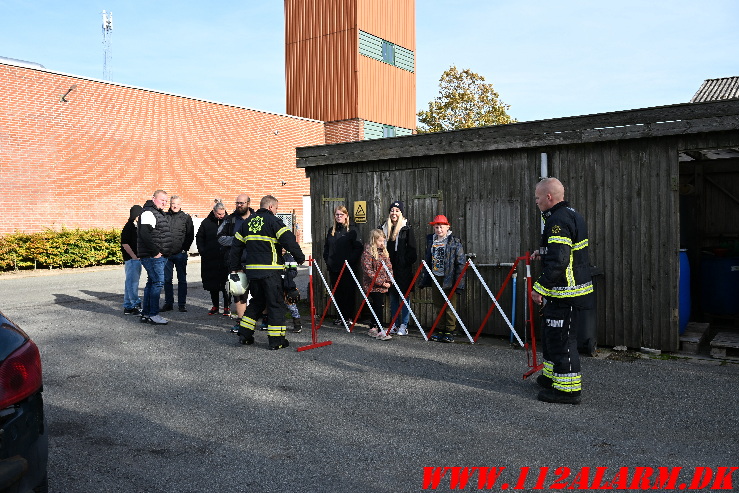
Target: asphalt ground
182, 408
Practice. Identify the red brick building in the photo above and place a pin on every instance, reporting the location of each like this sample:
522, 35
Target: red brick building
77, 152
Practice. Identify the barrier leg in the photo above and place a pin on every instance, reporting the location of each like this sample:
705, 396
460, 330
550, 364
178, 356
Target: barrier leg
331, 296
404, 300
364, 297
533, 364
313, 325
446, 300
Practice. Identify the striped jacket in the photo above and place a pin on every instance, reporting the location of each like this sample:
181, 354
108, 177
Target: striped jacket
564, 250
263, 235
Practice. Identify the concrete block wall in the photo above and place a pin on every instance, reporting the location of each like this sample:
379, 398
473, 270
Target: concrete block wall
82, 160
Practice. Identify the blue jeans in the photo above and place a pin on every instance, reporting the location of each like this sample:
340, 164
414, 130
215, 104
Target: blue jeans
394, 302
132, 268
179, 261
155, 271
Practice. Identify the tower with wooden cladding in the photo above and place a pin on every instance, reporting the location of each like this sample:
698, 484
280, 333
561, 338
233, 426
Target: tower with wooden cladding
352, 64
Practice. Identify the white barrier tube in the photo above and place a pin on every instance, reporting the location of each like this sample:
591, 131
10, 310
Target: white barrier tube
369, 305
449, 305
331, 295
477, 272
405, 302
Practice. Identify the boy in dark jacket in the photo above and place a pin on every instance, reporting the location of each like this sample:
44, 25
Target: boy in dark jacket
445, 257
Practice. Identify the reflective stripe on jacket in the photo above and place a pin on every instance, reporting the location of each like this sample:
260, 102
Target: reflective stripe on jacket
263, 235
566, 263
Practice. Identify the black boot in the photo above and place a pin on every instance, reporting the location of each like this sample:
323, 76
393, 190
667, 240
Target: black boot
246, 336
558, 397
297, 326
277, 342
544, 382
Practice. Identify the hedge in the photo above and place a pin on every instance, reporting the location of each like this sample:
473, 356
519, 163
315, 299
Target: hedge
57, 249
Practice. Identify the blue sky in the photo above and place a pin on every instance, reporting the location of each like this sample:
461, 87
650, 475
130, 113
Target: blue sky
546, 59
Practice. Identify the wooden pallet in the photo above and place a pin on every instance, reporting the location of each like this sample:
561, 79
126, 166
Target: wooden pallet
725, 346
694, 337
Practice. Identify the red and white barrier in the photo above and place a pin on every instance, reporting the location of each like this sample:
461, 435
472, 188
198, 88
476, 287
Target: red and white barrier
533, 364
313, 326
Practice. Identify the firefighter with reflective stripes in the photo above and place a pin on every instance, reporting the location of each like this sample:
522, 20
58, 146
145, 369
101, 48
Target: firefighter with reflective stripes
565, 289
263, 235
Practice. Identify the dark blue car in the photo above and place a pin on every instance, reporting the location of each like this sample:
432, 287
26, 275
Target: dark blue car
23, 433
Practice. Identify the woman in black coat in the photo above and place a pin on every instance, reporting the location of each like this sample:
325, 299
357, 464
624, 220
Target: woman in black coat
401, 245
212, 268
343, 243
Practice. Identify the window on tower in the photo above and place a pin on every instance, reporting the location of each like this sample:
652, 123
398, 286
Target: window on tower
385, 51
388, 52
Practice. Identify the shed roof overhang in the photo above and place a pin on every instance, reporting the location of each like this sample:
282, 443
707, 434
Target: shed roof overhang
679, 119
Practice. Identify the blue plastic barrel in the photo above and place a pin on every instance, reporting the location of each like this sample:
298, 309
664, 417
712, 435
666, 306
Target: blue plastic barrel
684, 290
720, 285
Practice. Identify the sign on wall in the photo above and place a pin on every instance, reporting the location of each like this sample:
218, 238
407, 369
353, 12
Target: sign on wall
360, 211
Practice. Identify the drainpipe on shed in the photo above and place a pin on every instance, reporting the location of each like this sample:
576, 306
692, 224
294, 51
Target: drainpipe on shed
544, 166
544, 170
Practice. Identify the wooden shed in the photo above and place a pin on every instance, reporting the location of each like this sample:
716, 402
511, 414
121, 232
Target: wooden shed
624, 171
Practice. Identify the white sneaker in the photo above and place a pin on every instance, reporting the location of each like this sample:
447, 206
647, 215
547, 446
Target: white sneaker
158, 320
384, 336
394, 329
373, 332
402, 330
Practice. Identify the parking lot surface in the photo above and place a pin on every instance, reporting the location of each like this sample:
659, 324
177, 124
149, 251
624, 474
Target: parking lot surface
182, 408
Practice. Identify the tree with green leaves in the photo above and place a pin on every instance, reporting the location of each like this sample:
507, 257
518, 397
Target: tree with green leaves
465, 100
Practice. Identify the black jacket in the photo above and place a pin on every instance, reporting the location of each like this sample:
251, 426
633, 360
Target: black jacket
183, 232
263, 236
212, 268
154, 236
344, 245
403, 254
454, 261
565, 261
226, 232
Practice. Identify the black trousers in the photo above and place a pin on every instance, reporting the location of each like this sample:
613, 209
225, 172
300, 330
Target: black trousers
377, 300
345, 294
559, 344
266, 293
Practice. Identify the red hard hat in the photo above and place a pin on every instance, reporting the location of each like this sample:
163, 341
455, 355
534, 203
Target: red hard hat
440, 219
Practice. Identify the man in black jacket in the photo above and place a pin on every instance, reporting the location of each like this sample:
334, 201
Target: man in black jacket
226, 234
154, 245
183, 234
565, 289
263, 236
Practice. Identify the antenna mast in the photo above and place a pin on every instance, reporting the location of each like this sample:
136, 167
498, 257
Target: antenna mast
107, 35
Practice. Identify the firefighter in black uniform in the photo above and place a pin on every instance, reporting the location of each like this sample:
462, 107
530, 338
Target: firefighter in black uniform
264, 235
565, 288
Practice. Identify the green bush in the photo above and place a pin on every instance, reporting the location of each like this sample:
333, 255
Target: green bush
57, 249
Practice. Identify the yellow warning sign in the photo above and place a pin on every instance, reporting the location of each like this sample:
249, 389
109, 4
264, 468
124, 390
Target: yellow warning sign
360, 211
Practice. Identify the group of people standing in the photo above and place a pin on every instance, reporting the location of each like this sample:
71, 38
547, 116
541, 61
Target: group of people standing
564, 289
158, 241
247, 246
387, 263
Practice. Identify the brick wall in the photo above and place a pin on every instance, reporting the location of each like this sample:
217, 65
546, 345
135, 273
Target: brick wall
344, 131
82, 163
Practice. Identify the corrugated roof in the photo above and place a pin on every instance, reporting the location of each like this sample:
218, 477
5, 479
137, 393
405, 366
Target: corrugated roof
717, 89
